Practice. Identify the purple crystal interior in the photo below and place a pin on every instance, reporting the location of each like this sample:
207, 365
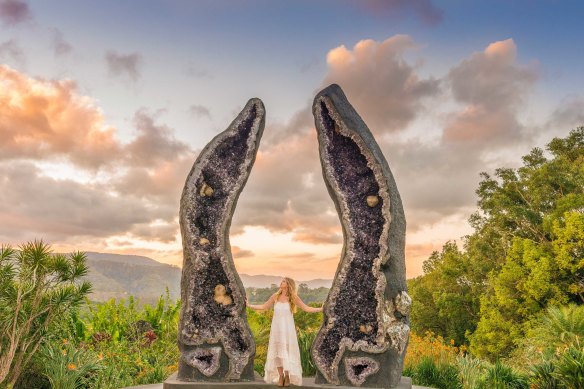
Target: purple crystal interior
356, 302
220, 173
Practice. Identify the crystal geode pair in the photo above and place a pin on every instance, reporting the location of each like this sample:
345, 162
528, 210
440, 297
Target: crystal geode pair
366, 314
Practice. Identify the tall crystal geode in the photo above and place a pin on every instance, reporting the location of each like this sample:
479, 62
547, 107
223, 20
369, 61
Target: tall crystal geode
215, 340
365, 329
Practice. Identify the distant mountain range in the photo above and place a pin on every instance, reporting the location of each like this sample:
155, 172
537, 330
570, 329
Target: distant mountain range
263, 281
119, 276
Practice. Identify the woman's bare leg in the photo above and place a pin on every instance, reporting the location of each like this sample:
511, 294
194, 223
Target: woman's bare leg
281, 373
286, 378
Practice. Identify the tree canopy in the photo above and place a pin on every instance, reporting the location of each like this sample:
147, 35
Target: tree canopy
526, 253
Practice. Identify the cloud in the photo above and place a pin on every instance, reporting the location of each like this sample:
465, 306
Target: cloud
35, 206
48, 118
13, 12
154, 144
11, 50
241, 253
424, 9
568, 115
141, 179
200, 111
383, 87
124, 65
283, 193
60, 46
493, 86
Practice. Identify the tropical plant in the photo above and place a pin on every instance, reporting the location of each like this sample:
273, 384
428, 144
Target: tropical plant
500, 376
69, 366
569, 368
36, 287
542, 376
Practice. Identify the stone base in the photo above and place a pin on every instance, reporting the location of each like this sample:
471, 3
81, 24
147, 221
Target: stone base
307, 383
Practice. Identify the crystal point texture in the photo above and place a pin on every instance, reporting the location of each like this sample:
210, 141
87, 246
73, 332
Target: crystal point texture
366, 314
214, 338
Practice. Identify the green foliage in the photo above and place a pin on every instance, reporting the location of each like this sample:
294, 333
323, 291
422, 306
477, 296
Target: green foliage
470, 371
569, 369
36, 287
305, 339
444, 299
69, 367
526, 253
129, 344
439, 376
500, 376
542, 376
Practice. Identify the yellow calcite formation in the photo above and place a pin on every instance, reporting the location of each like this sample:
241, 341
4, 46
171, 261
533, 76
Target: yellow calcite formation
221, 296
372, 201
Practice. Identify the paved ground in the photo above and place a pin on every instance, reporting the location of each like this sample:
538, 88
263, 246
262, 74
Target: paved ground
159, 386
308, 384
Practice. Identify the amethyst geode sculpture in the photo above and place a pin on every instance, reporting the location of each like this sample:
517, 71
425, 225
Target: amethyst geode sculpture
214, 338
365, 329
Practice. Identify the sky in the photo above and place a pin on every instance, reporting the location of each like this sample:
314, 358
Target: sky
105, 105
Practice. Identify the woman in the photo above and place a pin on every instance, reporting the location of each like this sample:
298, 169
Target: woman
283, 359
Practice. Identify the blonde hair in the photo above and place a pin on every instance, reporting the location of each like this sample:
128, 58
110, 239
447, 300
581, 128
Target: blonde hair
292, 293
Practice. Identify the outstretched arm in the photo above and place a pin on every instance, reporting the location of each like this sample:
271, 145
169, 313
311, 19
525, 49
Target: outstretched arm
265, 305
305, 307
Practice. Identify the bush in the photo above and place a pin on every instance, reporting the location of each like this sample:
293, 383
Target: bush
69, 367
569, 368
470, 371
500, 376
433, 347
439, 376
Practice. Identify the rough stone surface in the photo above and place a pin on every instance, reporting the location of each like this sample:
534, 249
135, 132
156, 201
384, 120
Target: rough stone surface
366, 314
215, 340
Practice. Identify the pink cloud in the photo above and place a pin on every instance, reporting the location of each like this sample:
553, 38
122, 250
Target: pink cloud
382, 86
493, 86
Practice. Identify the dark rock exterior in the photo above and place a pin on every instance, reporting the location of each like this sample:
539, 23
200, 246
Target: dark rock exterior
366, 315
215, 340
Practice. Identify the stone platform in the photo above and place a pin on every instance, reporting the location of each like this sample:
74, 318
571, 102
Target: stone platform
307, 383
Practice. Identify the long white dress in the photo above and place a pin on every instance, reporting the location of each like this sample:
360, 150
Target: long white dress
283, 347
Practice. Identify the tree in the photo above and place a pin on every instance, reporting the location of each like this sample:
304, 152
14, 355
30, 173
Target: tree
443, 299
526, 253
36, 287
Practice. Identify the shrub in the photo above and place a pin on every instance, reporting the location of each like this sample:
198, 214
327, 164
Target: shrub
69, 367
439, 376
542, 376
500, 376
470, 371
569, 368
433, 347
